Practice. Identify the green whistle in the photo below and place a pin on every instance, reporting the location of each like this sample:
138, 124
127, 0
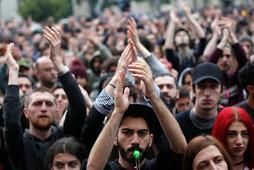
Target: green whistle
136, 154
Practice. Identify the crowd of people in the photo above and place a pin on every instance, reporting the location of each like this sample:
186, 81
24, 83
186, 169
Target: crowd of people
129, 91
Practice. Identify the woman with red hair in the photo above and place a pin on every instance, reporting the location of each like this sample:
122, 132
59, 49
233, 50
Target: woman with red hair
234, 129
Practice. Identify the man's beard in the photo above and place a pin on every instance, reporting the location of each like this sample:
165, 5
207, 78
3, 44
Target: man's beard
131, 159
42, 127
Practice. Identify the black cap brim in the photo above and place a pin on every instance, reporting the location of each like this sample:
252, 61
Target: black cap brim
200, 79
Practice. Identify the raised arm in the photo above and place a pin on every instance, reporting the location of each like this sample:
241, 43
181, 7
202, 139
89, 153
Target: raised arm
237, 48
196, 26
11, 111
77, 109
218, 52
211, 45
169, 34
169, 124
99, 154
156, 66
104, 103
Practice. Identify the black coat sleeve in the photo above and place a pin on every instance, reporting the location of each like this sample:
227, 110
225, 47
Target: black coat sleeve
76, 113
12, 126
92, 128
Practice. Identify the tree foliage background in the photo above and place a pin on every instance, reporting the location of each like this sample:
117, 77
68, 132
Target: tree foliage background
40, 10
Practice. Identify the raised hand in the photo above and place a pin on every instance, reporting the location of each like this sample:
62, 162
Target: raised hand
132, 31
128, 55
230, 25
184, 7
54, 38
121, 94
174, 17
133, 35
142, 71
8, 58
227, 23
12, 65
215, 27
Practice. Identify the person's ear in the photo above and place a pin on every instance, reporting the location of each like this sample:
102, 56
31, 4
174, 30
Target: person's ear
25, 111
115, 142
151, 140
177, 93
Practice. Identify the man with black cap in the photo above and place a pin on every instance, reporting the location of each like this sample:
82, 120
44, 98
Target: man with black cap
130, 128
207, 90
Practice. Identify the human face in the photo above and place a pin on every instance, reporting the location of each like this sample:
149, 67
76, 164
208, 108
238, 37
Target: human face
82, 81
40, 110
65, 161
183, 104
182, 39
188, 82
207, 94
61, 102
25, 85
167, 86
133, 134
47, 73
226, 61
247, 47
209, 158
97, 64
237, 139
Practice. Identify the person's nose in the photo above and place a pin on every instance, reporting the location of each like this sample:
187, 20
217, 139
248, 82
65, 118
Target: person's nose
135, 139
239, 139
164, 89
207, 91
23, 89
59, 98
43, 106
185, 107
224, 58
213, 166
66, 167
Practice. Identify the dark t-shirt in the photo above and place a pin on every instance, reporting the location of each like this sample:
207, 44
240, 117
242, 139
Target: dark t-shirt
165, 160
188, 128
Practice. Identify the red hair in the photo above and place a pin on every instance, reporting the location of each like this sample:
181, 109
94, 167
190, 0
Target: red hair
225, 118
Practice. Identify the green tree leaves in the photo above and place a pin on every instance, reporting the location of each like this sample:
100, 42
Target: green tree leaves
40, 10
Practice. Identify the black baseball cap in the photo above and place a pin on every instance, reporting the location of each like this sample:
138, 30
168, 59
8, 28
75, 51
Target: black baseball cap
205, 71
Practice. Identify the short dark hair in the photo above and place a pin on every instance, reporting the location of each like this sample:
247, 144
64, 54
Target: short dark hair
66, 145
183, 92
246, 74
166, 74
141, 110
